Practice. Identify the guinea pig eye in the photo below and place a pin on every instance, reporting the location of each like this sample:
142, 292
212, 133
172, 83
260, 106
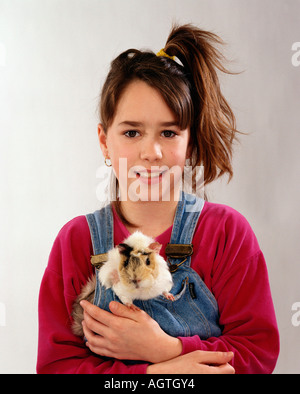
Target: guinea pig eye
148, 261
126, 262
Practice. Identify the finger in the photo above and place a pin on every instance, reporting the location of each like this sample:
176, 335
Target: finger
124, 311
97, 313
95, 325
214, 358
94, 342
88, 333
222, 369
92, 338
100, 345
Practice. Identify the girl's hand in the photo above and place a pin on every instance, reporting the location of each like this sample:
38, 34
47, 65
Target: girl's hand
127, 334
197, 362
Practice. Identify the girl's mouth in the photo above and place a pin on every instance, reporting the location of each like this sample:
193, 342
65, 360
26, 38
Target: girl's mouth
150, 177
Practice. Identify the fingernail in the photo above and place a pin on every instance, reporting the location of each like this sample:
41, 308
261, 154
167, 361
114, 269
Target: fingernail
113, 306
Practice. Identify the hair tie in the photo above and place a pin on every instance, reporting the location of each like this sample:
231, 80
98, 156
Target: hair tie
164, 54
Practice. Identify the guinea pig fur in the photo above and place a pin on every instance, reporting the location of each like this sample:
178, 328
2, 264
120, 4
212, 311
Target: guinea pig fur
134, 270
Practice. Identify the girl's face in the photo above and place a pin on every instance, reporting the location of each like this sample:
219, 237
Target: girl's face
146, 146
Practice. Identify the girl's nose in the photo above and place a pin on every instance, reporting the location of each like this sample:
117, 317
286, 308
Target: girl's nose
150, 151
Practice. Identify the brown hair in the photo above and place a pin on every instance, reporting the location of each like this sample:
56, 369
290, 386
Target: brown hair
191, 90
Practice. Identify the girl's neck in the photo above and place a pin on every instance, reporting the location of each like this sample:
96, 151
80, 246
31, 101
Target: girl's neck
150, 217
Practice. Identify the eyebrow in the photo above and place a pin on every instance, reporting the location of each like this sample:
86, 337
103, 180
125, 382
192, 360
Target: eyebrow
133, 123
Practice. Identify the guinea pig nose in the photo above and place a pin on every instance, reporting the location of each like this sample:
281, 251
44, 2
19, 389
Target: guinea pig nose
136, 281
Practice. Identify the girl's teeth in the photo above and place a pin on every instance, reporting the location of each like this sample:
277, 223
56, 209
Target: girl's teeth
150, 175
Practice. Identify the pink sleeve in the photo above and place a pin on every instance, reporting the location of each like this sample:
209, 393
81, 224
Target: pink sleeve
248, 319
59, 350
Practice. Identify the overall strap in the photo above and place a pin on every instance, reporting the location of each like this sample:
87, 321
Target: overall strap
180, 247
101, 228
186, 218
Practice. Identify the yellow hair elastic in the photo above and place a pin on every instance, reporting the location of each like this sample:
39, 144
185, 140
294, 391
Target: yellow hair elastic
164, 54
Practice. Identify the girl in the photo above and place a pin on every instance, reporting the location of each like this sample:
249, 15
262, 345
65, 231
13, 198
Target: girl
157, 112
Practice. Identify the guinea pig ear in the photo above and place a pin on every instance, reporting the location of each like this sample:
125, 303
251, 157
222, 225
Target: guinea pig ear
124, 249
155, 246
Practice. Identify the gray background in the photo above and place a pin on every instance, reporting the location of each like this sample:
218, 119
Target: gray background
54, 55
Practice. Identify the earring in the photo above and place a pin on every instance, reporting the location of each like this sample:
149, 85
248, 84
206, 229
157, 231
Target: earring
107, 162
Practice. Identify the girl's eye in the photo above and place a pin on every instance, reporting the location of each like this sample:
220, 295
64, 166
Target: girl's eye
131, 133
169, 133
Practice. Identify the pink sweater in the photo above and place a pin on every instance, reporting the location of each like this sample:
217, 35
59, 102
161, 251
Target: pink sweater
226, 256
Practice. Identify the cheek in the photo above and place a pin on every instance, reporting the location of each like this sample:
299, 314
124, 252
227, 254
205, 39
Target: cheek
177, 157
121, 165
124, 277
178, 153
120, 156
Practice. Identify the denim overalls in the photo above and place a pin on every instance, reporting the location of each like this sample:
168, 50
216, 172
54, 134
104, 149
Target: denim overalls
195, 310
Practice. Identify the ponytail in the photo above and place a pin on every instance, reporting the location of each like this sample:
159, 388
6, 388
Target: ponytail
213, 128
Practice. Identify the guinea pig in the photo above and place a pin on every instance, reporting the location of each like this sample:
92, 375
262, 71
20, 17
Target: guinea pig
134, 270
